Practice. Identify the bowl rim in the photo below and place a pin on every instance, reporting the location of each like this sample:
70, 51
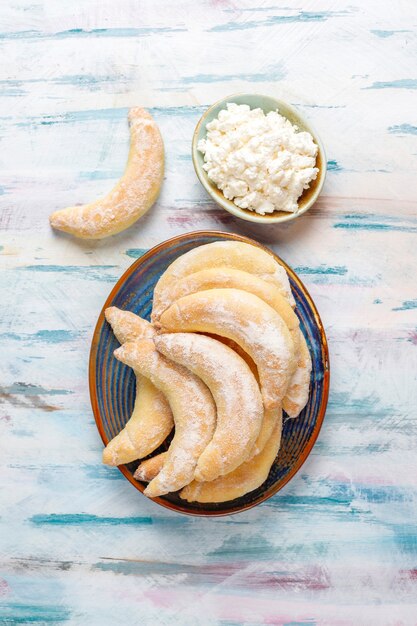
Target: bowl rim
229, 205
324, 357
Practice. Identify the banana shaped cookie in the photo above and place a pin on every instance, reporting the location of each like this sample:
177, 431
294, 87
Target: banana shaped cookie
226, 277
298, 390
132, 196
249, 476
249, 321
236, 395
232, 254
192, 406
151, 420
148, 469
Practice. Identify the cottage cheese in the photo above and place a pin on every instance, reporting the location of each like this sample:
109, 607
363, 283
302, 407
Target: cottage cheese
259, 161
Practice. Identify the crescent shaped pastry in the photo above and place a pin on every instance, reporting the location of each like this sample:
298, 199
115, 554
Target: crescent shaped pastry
236, 395
226, 277
128, 326
269, 422
249, 476
250, 322
298, 390
233, 254
192, 406
148, 469
132, 196
151, 420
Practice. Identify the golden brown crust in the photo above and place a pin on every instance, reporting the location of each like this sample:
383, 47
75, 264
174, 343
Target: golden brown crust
249, 321
249, 476
133, 194
192, 406
151, 420
235, 392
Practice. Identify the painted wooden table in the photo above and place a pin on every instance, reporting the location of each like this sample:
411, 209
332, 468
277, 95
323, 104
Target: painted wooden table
79, 545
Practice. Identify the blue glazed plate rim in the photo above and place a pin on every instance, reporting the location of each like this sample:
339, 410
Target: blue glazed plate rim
273, 489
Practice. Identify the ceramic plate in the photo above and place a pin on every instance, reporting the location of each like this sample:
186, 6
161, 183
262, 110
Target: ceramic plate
112, 384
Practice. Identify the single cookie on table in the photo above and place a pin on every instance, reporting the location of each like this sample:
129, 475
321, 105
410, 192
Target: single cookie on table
132, 196
236, 395
192, 406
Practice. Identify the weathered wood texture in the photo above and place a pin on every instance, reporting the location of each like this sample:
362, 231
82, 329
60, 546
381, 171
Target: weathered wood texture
337, 546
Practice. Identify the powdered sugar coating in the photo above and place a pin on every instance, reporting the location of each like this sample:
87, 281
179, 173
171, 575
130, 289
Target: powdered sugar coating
151, 420
225, 277
132, 196
247, 477
192, 406
232, 254
235, 392
298, 390
249, 321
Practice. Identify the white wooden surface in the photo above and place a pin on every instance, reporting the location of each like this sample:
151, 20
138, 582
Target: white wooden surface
338, 545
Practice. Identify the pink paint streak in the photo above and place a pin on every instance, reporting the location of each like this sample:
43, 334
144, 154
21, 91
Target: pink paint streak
412, 337
4, 587
196, 217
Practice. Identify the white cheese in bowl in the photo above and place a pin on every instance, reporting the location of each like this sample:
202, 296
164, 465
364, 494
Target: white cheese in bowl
259, 161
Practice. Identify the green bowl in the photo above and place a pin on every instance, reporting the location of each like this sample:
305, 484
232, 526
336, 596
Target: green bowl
267, 104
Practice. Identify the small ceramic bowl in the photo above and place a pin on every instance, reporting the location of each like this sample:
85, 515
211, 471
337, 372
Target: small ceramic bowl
112, 384
267, 104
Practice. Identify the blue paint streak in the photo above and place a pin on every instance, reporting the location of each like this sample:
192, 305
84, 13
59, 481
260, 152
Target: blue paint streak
320, 106
383, 34
76, 519
136, 253
115, 114
101, 472
89, 79
402, 83
47, 336
99, 175
333, 166
337, 270
272, 74
86, 272
302, 16
18, 613
342, 404
407, 305
27, 389
403, 129
95, 32
375, 226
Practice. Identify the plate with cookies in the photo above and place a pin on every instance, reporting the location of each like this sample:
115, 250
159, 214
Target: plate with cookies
209, 374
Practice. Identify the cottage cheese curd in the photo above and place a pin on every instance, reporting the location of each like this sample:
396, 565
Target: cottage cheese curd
259, 161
